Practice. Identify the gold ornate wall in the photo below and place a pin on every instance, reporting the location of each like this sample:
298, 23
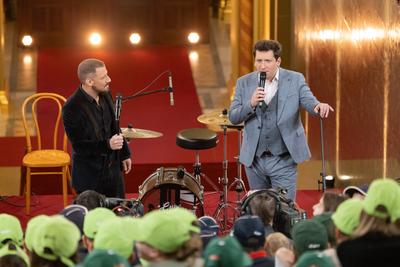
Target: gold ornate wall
349, 52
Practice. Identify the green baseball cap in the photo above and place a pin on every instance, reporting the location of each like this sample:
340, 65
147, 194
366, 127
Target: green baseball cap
133, 227
314, 258
383, 192
94, 218
309, 235
12, 249
347, 215
103, 258
225, 252
31, 228
60, 236
185, 216
396, 211
116, 234
326, 220
10, 229
164, 232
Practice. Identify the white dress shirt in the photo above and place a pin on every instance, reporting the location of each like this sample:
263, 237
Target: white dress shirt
271, 88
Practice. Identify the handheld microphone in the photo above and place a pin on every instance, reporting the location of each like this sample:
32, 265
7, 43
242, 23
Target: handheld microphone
261, 83
170, 89
118, 103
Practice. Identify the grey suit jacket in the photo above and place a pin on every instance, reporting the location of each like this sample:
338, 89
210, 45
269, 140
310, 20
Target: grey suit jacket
293, 92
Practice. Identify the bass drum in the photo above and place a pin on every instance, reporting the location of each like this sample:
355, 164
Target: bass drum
172, 187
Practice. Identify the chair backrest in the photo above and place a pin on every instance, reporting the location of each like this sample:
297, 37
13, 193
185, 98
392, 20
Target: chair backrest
33, 100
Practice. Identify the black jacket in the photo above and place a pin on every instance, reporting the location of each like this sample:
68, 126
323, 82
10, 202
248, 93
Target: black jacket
372, 249
91, 152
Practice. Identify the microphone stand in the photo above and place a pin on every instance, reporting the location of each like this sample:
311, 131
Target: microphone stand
120, 99
165, 89
323, 170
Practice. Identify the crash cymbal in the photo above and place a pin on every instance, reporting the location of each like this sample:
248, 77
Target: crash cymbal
219, 117
131, 133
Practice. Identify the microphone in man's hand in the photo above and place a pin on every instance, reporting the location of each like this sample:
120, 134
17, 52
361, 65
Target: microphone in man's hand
261, 83
170, 89
118, 103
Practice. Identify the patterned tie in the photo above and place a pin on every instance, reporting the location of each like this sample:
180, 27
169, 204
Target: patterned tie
263, 106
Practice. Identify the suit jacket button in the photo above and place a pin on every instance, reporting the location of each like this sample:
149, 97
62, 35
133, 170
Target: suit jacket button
259, 127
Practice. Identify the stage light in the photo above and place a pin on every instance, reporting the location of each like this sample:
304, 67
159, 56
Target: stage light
194, 56
27, 59
329, 177
193, 37
95, 38
27, 40
345, 177
134, 38
329, 182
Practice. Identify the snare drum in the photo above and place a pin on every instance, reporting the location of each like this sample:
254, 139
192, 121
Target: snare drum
170, 187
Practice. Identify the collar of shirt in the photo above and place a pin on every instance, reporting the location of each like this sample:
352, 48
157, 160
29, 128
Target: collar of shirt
276, 77
87, 96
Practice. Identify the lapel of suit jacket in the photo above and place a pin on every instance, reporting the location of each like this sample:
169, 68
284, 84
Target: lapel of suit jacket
284, 85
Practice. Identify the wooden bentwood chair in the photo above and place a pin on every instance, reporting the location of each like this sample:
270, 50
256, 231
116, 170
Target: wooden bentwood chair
45, 158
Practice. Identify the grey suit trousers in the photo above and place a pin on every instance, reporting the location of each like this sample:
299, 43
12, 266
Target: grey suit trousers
273, 172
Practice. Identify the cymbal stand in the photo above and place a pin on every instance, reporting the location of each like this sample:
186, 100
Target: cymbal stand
224, 204
238, 181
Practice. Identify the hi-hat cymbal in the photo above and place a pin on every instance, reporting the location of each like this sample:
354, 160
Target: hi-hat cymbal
131, 133
219, 117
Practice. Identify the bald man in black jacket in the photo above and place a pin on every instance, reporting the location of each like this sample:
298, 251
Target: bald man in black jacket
100, 153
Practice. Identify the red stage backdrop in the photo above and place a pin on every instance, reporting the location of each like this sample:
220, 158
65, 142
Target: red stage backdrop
130, 71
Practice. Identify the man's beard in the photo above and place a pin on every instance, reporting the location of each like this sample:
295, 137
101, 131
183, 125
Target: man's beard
101, 92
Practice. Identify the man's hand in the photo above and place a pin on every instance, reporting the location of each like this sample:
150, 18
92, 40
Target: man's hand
257, 96
116, 142
323, 109
127, 165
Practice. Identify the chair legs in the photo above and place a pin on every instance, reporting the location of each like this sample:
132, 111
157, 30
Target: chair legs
28, 191
64, 185
64, 172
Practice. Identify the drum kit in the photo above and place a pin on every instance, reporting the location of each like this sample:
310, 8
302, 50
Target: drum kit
168, 187
132, 133
226, 213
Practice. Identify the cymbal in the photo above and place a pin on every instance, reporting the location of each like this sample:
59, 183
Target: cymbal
131, 133
219, 118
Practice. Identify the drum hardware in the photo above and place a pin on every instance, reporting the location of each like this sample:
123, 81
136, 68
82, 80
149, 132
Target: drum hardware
198, 174
227, 220
133, 133
198, 139
171, 187
224, 205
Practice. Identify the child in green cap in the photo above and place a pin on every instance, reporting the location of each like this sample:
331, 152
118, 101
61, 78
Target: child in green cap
169, 238
376, 239
55, 243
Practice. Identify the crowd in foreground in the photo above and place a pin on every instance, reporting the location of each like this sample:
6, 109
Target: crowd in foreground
360, 231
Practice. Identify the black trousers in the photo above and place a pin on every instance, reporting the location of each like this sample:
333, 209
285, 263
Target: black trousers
111, 183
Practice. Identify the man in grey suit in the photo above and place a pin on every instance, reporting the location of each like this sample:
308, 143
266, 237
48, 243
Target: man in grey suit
274, 141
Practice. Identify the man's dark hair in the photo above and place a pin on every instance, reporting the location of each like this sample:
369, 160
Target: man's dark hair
332, 200
263, 205
12, 260
37, 261
267, 45
88, 67
90, 199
